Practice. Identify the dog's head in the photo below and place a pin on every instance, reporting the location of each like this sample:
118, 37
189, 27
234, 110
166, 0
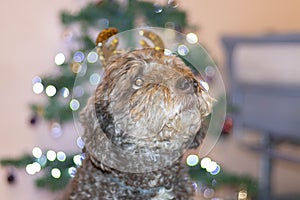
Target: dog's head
148, 103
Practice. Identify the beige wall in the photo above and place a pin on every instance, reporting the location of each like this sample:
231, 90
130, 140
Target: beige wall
216, 18
31, 36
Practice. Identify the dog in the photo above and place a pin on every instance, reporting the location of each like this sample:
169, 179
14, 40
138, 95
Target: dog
145, 113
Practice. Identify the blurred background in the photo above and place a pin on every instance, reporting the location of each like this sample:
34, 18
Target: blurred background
255, 44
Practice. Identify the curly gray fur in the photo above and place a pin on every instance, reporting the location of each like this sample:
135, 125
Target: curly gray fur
143, 116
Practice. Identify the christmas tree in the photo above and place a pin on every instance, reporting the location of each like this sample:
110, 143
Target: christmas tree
81, 30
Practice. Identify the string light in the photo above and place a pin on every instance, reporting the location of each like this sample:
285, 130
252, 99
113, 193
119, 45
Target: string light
92, 57
204, 85
33, 168
78, 56
72, 171
65, 92
191, 38
51, 155
95, 79
38, 88
55, 172
56, 130
167, 52
157, 8
42, 160
210, 71
74, 104
37, 152
205, 162
80, 143
75, 67
36, 166
216, 171
78, 91
59, 59
30, 169
192, 160
77, 160
182, 50
61, 156
50, 90
212, 166
208, 193
36, 79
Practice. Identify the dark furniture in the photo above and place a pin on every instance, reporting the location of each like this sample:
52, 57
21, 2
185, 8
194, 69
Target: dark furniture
270, 104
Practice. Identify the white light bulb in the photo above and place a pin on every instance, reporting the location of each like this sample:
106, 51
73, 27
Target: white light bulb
38, 88
192, 38
205, 162
59, 59
55, 172
192, 160
37, 152
50, 90
51, 155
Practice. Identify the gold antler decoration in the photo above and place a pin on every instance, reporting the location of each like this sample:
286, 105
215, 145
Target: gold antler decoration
104, 51
157, 41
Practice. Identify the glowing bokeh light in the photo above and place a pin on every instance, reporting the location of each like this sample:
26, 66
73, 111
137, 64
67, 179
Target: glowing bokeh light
212, 166
204, 85
158, 8
210, 71
36, 167
74, 104
55, 172
59, 59
51, 155
77, 160
38, 88
65, 92
56, 130
30, 169
78, 91
182, 50
78, 56
80, 142
208, 193
191, 38
192, 160
37, 152
216, 171
42, 160
61, 156
167, 52
36, 79
92, 57
72, 171
50, 90
95, 79
205, 162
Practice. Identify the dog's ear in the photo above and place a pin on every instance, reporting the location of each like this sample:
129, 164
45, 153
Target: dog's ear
105, 120
200, 135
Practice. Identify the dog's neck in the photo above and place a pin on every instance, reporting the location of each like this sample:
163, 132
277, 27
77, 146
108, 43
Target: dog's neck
166, 177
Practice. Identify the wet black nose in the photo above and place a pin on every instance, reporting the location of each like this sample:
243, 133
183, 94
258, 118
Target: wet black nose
185, 84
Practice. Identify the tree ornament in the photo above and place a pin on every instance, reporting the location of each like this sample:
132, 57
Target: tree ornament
228, 125
33, 119
11, 177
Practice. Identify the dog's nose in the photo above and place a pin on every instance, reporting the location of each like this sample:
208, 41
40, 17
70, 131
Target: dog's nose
185, 84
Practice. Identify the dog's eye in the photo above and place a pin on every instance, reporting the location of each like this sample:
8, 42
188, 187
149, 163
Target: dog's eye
138, 82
